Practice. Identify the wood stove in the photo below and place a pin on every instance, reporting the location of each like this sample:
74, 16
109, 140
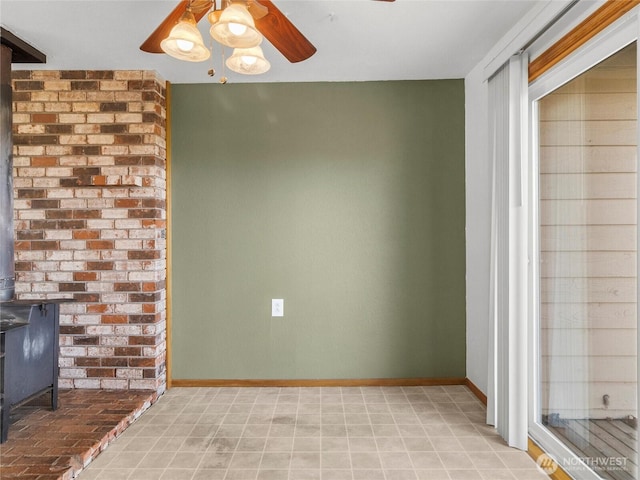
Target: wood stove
28, 330
28, 355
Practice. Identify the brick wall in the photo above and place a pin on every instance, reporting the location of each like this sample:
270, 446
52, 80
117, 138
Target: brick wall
90, 213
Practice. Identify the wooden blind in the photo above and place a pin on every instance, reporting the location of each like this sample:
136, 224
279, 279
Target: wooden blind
578, 36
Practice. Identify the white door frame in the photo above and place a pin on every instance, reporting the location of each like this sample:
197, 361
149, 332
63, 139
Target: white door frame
617, 36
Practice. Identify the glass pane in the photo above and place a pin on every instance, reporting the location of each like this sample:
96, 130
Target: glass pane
588, 283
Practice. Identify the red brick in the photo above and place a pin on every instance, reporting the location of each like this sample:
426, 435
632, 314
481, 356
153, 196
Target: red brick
99, 265
44, 162
101, 372
32, 193
45, 245
100, 245
29, 234
85, 85
143, 255
114, 362
86, 297
114, 319
45, 204
142, 362
127, 287
98, 307
127, 203
58, 214
85, 276
87, 362
72, 330
44, 118
149, 308
72, 287
24, 245
86, 234
28, 85
143, 340
145, 297
152, 286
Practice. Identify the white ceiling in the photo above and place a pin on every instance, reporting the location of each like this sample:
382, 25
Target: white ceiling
357, 40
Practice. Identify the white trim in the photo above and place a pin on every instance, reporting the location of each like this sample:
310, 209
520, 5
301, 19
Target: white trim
521, 34
578, 13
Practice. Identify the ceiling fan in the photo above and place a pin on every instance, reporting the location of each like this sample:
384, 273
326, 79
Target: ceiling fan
266, 18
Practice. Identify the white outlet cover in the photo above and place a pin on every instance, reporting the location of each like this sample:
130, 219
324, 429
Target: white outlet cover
277, 307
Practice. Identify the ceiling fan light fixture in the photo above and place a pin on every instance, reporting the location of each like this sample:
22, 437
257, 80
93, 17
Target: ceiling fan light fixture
248, 61
185, 42
236, 28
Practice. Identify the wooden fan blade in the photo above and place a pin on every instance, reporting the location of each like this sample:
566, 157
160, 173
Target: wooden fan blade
283, 35
199, 9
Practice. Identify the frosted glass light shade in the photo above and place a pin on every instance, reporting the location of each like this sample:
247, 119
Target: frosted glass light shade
248, 61
236, 28
185, 42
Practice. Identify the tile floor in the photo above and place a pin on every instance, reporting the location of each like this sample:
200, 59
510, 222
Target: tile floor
357, 433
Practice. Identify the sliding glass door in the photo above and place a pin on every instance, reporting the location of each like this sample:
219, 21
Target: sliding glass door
586, 248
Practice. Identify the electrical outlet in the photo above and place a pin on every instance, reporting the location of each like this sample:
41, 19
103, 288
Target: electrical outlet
277, 307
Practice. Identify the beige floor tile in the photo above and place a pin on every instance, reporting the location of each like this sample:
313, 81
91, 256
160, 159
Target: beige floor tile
365, 460
184, 460
516, 459
368, 475
279, 444
486, 460
241, 474
362, 444
214, 460
372, 433
426, 460
464, 475
335, 444
432, 474
390, 444
275, 460
400, 474
146, 474
307, 444
447, 444
205, 474
273, 475
177, 474
336, 474
305, 460
155, 460
497, 475
245, 460
304, 475
115, 474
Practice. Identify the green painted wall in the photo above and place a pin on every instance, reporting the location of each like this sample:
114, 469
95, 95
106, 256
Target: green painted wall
344, 199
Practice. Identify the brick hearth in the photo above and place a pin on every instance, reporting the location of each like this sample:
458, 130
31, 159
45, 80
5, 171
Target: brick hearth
48, 445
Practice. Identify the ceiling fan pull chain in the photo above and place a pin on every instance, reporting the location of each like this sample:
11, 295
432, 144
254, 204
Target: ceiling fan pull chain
223, 78
212, 70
